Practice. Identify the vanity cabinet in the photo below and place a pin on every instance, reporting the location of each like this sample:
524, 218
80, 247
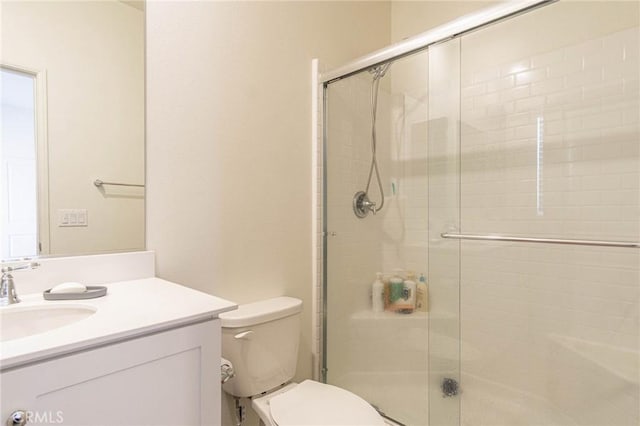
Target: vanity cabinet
169, 377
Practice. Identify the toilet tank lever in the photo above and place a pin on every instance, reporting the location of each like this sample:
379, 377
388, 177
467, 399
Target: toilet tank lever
244, 335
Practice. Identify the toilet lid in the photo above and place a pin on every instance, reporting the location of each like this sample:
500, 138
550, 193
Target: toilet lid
314, 403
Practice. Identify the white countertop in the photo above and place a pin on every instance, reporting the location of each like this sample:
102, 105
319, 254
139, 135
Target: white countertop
130, 309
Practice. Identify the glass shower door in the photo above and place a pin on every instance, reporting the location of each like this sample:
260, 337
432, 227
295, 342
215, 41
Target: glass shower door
528, 127
381, 356
550, 148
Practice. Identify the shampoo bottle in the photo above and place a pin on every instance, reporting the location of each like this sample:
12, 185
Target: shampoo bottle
422, 295
410, 293
396, 293
377, 293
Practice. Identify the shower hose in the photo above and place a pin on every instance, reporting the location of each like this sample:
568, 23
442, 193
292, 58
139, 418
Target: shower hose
378, 72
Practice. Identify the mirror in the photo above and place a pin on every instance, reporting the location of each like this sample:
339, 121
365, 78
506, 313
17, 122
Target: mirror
72, 113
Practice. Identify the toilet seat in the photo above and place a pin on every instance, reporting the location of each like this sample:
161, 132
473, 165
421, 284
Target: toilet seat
314, 403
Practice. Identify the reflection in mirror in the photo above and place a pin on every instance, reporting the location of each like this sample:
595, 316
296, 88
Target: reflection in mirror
18, 154
72, 112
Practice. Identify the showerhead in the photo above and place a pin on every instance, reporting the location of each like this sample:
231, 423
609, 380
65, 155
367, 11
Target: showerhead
379, 71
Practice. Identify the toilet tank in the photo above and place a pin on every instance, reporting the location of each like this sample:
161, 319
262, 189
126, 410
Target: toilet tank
261, 341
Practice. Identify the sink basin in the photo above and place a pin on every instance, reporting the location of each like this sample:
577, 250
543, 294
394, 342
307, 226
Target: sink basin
23, 321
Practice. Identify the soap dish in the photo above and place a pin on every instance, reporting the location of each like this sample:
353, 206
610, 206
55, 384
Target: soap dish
91, 293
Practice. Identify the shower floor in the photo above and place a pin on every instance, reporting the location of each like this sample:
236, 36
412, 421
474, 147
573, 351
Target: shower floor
404, 397
484, 403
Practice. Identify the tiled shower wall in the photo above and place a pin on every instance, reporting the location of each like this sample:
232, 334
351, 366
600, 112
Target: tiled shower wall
550, 146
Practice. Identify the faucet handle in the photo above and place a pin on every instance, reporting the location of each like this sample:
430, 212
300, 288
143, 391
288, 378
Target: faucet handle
8, 294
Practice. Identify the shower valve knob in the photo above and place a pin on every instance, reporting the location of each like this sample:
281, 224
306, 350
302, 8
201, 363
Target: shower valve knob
371, 206
362, 205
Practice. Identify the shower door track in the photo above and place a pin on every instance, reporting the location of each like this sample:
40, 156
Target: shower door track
444, 32
511, 238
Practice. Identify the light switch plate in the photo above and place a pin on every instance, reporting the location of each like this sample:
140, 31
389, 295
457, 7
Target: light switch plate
73, 217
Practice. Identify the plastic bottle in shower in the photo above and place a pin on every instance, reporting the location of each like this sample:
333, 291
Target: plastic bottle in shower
395, 293
377, 293
409, 286
422, 295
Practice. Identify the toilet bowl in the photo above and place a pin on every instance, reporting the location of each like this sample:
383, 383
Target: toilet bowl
261, 341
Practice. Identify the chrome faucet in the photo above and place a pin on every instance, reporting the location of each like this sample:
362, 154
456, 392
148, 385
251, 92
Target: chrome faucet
362, 206
8, 295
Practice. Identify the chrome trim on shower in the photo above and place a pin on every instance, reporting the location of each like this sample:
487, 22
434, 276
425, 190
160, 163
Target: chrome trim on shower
362, 206
100, 183
515, 239
452, 29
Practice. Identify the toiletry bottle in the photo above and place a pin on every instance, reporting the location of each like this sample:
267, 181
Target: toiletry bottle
422, 295
409, 286
396, 293
377, 293
387, 290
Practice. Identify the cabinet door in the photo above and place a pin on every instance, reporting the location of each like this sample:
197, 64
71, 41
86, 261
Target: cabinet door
168, 378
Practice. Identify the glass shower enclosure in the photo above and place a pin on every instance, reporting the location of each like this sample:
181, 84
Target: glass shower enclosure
509, 158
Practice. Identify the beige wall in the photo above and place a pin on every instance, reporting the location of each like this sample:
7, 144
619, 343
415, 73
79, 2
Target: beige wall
229, 140
93, 55
409, 18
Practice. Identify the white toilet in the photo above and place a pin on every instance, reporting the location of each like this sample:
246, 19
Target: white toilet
261, 341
